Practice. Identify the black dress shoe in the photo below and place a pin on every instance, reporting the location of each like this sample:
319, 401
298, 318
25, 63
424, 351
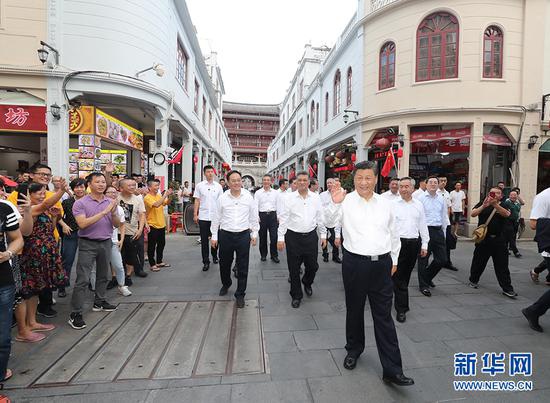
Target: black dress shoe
431, 284
215, 260
533, 320
452, 267
399, 379
295, 303
128, 281
401, 317
205, 267
337, 259
350, 362
308, 290
426, 292
275, 259
325, 258
518, 255
223, 291
61, 293
263, 258
141, 274
240, 302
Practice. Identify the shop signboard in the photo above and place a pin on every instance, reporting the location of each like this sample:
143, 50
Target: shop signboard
82, 120
116, 131
439, 135
23, 118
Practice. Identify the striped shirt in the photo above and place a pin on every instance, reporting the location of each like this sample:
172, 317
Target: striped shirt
9, 221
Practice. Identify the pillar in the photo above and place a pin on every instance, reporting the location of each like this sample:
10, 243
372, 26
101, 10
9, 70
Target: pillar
187, 160
474, 171
161, 171
361, 153
321, 168
58, 130
198, 165
404, 161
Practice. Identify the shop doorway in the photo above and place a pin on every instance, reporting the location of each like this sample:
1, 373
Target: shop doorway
543, 177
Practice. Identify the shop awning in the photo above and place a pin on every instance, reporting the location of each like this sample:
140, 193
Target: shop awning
545, 147
496, 140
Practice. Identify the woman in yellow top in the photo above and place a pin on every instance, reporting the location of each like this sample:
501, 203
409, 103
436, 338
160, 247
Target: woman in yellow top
154, 207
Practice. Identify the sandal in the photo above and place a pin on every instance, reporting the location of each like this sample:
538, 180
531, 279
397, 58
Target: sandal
44, 328
155, 268
164, 265
9, 374
33, 338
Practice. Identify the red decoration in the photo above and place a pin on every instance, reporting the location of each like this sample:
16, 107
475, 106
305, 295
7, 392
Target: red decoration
388, 165
340, 155
177, 157
329, 159
353, 157
382, 143
195, 159
23, 118
546, 164
400, 153
315, 167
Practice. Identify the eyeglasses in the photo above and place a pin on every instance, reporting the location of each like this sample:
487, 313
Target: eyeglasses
43, 174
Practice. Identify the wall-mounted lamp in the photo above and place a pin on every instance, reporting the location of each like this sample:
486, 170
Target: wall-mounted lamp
55, 110
43, 53
159, 69
346, 116
401, 139
532, 141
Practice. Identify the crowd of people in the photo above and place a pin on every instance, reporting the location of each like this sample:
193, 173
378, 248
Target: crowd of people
107, 223
102, 222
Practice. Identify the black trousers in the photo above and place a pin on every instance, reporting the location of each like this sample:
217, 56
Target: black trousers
231, 243
438, 247
511, 232
330, 240
541, 267
301, 248
133, 252
268, 223
365, 278
157, 241
410, 248
492, 247
542, 305
204, 228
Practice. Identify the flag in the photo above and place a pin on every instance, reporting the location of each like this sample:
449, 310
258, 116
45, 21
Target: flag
388, 165
312, 173
177, 157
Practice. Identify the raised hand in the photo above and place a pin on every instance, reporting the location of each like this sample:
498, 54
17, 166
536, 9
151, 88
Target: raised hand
337, 193
109, 168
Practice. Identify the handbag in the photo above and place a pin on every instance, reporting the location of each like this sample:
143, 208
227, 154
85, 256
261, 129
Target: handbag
481, 231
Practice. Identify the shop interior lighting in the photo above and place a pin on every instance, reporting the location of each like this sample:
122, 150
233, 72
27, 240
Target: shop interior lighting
55, 110
157, 67
532, 141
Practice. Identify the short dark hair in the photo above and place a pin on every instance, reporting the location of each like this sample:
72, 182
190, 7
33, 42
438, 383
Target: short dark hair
372, 165
291, 180
433, 177
36, 187
77, 182
395, 178
222, 179
115, 176
266, 176
282, 182
233, 171
408, 178
93, 175
501, 182
458, 182
302, 173
516, 189
151, 181
207, 167
36, 167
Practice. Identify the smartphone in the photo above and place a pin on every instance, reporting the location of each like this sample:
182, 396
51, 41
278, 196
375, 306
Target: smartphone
492, 194
22, 189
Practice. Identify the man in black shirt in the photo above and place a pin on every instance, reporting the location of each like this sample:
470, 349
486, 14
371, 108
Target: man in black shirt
494, 245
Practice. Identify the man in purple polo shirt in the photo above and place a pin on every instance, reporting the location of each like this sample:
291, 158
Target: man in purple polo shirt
96, 216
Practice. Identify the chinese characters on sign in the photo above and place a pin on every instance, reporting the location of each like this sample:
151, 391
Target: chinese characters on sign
465, 364
16, 117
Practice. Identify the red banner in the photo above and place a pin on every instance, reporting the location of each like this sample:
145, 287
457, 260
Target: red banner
23, 118
453, 134
496, 140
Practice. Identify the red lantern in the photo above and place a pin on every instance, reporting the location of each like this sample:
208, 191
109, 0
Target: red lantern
340, 155
195, 159
353, 157
382, 143
315, 167
400, 153
329, 159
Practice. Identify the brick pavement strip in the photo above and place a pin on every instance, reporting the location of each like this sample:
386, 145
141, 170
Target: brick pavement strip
301, 349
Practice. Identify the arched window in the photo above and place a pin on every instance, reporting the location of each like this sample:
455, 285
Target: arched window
312, 121
437, 47
317, 116
492, 52
336, 93
326, 107
348, 87
387, 66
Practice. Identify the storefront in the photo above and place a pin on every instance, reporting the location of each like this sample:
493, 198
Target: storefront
543, 178
96, 138
339, 163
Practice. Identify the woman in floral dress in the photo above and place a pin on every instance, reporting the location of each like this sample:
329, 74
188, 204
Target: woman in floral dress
40, 263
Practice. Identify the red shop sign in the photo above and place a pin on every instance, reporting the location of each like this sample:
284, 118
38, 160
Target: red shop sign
344, 168
453, 134
23, 118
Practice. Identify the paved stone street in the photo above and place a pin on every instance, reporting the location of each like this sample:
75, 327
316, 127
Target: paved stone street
176, 340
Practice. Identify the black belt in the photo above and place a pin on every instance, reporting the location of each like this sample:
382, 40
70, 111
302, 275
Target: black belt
434, 226
94, 240
410, 239
267, 212
247, 231
374, 258
302, 233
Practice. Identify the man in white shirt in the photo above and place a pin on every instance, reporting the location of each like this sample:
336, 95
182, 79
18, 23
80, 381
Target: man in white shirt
458, 203
539, 221
437, 219
292, 185
266, 198
411, 222
235, 222
421, 189
301, 217
325, 201
393, 193
206, 196
314, 185
371, 249
450, 237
